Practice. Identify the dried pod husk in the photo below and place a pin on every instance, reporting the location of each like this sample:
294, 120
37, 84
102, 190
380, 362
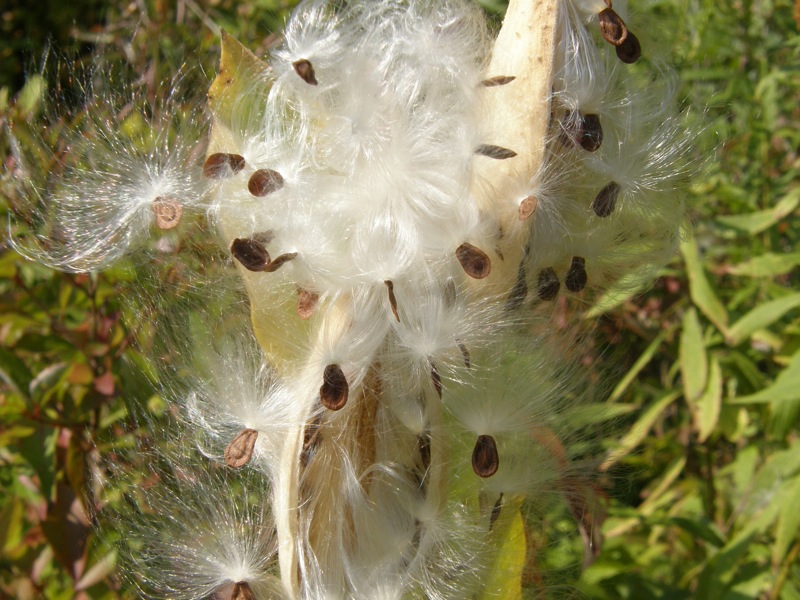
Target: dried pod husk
305, 70
306, 303
167, 212
576, 275
242, 591
335, 389
495, 152
251, 253
606, 199
264, 182
612, 27
547, 284
630, 50
392, 299
474, 261
498, 80
223, 164
485, 459
240, 449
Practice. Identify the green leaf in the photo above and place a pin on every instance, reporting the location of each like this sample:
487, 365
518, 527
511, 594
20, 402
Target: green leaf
767, 265
700, 290
701, 528
706, 409
759, 221
15, 372
760, 317
640, 364
692, 356
786, 387
788, 520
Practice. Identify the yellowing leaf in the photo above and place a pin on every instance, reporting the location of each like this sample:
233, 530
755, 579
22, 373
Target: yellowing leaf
762, 316
505, 580
692, 354
706, 409
702, 294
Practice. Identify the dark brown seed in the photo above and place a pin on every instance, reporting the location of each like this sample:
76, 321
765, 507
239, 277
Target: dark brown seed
527, 207
392, 299
495, 511
279, 262
464, 353
630, 50
222, 164
499, 80
576, 275
496, 152
264, 181
311, 440
306, 303
520, 290
548, 284
612, 27
485, 459
239, 451
334, 390
474, 261
250, 253
305, 69
167, 211
606, 199
436, 379
591, 133
242, 591
424, 449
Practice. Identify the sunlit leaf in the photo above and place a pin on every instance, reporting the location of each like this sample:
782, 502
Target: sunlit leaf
785, 388
757, 222
767, 265
692, 355
788, 520
700, 290
706, 408
763, 315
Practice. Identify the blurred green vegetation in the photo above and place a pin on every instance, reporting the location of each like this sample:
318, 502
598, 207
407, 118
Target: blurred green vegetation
702, 473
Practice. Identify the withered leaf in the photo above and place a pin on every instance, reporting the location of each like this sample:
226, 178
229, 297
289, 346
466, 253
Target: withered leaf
630, 50
240, 450
576, 275
547, 285
498, 80
167, 212
612, 27
279, 261
474, 261
334, 390
485, 459
496, 152
392, 299
306, 303
242, 591
606, 199
527, 207
223, 164
251, 253
305, 70
264, 182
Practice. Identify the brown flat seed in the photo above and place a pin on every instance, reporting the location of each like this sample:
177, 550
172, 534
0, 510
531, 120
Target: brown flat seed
520, 290
485, 459
436, 379
606, 199
591, 134
223, 164
496, 152
464, 353
306, 303
527, 207
242, 591
264, 181
576, 275
548, 284
250, 253
392, 299
498, 80
495, 511
334, 390
305, 70
474, 261
280, 261
612, 27
167, 211
239, 451
424, 449
630, 50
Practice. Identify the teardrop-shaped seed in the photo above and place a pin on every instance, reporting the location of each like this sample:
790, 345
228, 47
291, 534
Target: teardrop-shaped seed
223, 164
606, 199
424, 449
496, 511
436, 379
334, 390
280, 261
392, 299
547, 285
242, 591
464, 353
306, 303
612, 27
474, 261
498, 80
576, 275
496, 152
240, 450
527, 207
167, 212
264, 182
630, 50
250, 253
591, 133
305, 70
485, 459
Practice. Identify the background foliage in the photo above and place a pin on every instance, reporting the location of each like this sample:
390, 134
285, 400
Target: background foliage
702, 471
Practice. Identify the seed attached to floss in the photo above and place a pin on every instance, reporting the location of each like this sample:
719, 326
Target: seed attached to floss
305, 70
464, 353
242, 591
612, 27
576, 275
474, 261
311, 439
485, 459
606, 199
436, 379
527, 207
279, 262
264, 182
167, 212
240, 450
496, 152
630, 50
392, 299
548, 284
251, 253
222, 164
306, 303
334, 390
498, 80
591, 133
520, 290
496, 511
424, 449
